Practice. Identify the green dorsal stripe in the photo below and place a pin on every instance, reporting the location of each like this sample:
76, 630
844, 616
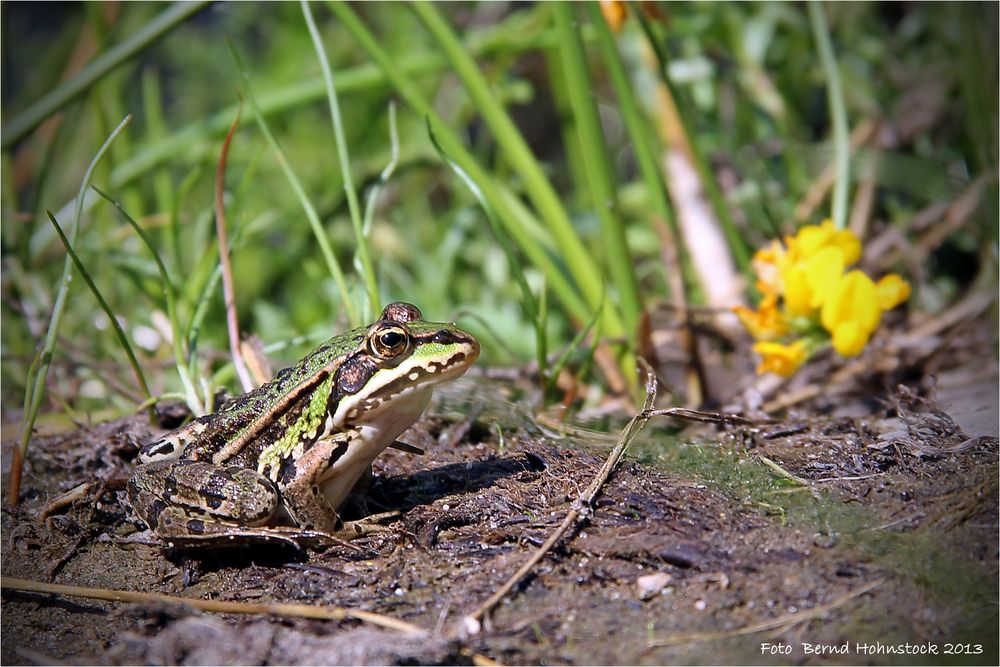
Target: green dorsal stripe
305, 430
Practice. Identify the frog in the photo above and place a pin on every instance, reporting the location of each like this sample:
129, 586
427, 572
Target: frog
276, 463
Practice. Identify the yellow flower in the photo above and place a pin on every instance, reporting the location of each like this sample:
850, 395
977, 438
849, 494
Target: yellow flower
851, 313
811, 239
805, 275
892, 291
781, 359
809, 283
766, 264
765, 323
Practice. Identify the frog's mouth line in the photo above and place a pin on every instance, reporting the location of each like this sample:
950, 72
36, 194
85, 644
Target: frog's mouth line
412, 375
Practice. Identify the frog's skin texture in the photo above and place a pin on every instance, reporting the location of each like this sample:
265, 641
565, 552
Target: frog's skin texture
291, 450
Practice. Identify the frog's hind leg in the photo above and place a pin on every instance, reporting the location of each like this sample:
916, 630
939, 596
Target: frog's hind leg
196, 501
193, 503
202, 490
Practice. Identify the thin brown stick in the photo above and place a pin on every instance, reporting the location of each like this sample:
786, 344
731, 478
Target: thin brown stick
228, 289
781, 471
14, 479
708, 417
65, 499
772, 624
579, 510
286, 610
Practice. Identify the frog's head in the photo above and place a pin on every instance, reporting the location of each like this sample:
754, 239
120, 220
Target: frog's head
397, 364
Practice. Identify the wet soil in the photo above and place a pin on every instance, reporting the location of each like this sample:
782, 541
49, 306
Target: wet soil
856, 539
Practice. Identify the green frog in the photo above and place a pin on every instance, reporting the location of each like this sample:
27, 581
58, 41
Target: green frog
290, 451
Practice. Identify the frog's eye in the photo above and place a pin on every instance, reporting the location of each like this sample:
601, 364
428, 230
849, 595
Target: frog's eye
389, 341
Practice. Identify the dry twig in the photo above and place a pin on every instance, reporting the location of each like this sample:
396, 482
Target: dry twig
228, 289
66, 499
285, 610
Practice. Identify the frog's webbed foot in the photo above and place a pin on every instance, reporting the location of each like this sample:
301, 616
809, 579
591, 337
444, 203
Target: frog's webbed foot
370, 525
178, 529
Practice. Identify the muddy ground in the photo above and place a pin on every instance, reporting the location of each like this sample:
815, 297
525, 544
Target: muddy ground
817, 540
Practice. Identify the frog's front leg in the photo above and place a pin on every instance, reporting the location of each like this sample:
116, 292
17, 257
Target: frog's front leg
299, 483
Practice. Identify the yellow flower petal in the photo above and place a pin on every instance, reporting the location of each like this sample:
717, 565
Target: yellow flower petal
892, 291
849, 339
808, 284
823, 271
765, 323
849, 245
781, 359
854, 299
811, 239
797, 294
766, 263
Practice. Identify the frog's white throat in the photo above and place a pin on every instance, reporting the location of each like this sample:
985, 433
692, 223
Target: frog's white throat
378, 431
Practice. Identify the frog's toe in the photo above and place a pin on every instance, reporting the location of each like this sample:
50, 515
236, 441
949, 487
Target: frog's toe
368, 526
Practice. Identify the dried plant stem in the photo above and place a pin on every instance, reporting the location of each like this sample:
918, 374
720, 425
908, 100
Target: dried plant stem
285, 610
670, 251
781, 471
786, 620
579, 510
228, 288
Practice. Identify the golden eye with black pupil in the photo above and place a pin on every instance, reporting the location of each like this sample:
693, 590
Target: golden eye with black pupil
389, 341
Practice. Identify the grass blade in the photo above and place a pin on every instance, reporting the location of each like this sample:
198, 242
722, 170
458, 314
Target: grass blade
734, 239
838, 112
600, 179
119, 332
643, 141
511, 216
169, 297
560, 363
384, 175
528, 304
317, 227
367, 269
39, 371
539, 189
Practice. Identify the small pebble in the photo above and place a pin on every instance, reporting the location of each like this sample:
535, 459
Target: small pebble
651, 584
